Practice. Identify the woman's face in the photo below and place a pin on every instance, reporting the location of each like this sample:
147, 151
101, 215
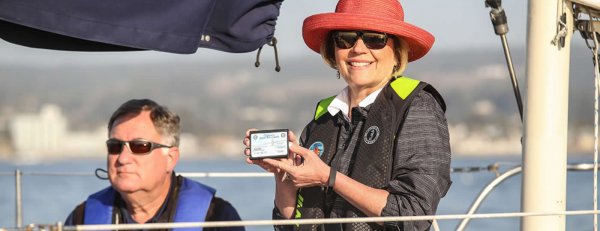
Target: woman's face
363, 68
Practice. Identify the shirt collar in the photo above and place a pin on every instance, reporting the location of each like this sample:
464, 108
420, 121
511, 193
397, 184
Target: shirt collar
341, 102
128, 219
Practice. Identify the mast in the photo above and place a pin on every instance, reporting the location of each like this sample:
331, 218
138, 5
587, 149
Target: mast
546, 115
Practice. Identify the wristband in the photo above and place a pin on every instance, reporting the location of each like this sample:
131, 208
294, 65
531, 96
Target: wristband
331, 181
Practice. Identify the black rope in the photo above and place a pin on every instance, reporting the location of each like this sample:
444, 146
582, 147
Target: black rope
272, 43
98, 175
257, 63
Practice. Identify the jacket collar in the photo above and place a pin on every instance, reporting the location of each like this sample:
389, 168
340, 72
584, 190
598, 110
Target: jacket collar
341, 103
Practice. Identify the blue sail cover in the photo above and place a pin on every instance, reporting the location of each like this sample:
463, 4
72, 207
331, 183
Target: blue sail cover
175, 26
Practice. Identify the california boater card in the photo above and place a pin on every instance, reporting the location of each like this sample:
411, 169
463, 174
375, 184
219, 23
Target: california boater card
269, 144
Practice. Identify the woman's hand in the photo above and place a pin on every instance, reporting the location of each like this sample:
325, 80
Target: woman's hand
308, 169
285, 190
269, 166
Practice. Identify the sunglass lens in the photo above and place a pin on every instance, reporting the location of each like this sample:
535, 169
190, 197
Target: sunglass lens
374, 40
345, 39
140, 147
114, 146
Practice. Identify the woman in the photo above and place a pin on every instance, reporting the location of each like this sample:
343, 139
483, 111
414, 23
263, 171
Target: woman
382, 142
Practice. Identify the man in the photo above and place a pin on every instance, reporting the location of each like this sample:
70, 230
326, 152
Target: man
143, 150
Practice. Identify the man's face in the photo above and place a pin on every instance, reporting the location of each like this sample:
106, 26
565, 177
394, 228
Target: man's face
128, 172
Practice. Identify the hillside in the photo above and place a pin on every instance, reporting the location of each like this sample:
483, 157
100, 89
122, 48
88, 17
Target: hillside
225, 97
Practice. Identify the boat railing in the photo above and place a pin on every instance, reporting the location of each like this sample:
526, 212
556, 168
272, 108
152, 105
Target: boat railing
247, 223
501, 178
465, 218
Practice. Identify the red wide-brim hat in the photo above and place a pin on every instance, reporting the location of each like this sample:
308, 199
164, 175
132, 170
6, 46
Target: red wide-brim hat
367, 15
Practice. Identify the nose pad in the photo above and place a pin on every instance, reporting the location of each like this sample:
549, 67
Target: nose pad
359, 46
126, 150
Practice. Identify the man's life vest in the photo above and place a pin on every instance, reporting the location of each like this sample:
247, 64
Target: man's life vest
372, 157
192, 204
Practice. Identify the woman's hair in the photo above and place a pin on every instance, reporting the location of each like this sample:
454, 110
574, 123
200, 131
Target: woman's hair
400, 52
165, 121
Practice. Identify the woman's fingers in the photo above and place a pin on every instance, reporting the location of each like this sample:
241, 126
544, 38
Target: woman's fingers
285, 166
292, 137
246, 142
301, 151
264, 165
249, 130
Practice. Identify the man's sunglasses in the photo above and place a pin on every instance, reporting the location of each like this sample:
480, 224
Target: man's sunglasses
140, 147
347, 39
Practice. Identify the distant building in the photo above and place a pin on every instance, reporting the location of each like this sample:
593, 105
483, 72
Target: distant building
46, 136
35, 133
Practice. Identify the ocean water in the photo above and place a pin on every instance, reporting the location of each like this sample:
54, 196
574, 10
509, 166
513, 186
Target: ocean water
49, 199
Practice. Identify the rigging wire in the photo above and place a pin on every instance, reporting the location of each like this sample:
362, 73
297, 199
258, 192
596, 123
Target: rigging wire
588, 32
597, 75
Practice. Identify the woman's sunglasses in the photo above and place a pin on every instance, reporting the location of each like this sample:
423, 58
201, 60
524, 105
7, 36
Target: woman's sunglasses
139, 147
347, 39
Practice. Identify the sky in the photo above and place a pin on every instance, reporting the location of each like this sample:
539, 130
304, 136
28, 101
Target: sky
463, 24
457, 25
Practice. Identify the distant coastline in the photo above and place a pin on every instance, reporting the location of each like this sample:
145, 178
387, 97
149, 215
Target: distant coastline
51, 112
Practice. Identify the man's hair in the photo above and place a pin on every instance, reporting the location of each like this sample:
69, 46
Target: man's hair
165, 121
401, 50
